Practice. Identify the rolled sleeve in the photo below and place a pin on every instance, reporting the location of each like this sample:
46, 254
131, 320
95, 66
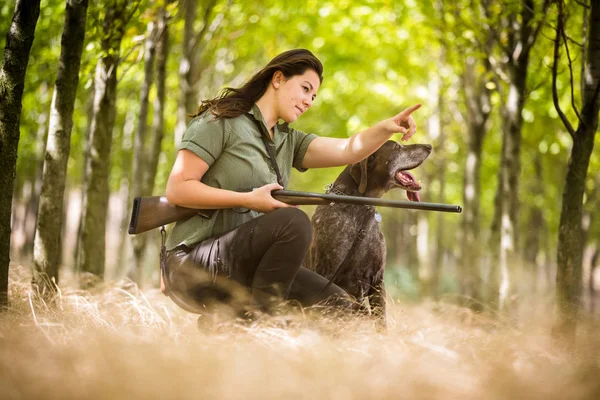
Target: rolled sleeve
205, 138
301, 142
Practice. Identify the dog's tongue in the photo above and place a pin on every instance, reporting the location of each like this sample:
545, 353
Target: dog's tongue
413, 196
408, 181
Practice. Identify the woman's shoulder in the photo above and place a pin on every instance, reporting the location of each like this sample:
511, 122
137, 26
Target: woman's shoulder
205, 123
206, 119
204, 127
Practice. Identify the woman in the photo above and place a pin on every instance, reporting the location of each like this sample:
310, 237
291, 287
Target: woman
223, 163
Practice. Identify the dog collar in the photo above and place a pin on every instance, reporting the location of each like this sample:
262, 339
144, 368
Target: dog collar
330, 189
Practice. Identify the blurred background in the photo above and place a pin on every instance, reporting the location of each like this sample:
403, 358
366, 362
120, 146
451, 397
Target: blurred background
483, 71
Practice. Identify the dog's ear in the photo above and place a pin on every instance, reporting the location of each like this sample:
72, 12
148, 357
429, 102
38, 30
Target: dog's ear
359, 174
363, 176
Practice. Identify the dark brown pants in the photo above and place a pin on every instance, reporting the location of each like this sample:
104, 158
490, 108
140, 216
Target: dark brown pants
263, 255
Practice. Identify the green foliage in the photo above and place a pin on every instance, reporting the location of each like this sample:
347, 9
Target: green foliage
379, 56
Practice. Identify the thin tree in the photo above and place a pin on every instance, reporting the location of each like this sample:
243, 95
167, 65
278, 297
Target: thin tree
139, 150
158, 121
93, 231
48, 238
12, 82
430, 257
438, 90
475, 71
32, 199
536, 235
194, 44
143, 179
593, 266
436, 130
85, 140
569, 280
515, 33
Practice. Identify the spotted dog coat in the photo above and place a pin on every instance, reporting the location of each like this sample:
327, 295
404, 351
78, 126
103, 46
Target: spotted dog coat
348, 236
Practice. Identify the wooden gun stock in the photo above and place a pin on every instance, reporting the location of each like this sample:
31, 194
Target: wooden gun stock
151, 212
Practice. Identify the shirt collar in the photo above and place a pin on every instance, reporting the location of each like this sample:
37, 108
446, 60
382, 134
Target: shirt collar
256, 114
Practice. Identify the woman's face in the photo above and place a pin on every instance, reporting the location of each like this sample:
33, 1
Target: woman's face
296, 94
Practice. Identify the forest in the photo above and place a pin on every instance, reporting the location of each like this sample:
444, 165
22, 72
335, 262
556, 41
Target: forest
95, 97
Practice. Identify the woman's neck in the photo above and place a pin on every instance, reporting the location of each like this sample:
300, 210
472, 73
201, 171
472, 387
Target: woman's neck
265, 104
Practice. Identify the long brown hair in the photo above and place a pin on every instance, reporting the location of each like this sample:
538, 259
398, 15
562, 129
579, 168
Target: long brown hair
233, 102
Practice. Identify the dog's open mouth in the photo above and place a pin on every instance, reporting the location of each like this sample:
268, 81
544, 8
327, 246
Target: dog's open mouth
410, 184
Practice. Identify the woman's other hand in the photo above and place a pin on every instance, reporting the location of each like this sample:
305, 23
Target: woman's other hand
403, 123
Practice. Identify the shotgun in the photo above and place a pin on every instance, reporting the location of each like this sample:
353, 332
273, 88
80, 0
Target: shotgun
150, 212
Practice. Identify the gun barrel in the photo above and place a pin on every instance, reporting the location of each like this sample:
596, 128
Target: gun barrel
304, 198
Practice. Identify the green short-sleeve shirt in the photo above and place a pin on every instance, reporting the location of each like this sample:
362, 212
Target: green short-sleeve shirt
237, 160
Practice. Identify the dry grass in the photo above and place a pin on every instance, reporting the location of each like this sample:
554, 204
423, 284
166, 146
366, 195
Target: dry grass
119, 342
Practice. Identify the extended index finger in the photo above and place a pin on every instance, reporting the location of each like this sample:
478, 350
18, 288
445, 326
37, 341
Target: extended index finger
410, 110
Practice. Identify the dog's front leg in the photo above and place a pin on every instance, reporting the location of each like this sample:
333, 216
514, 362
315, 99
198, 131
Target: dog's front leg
377, 303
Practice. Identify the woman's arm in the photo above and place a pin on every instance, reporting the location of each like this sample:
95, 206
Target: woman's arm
332, 152
185, 189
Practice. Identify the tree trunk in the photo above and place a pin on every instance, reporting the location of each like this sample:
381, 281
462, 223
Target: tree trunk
194, 45
570, 233
48, 234
430, 261
506, 201
588, 221
187, 100
521, 34
478, 110
411, 231
437, 91
139, 152
12, 81
93, 238
158, 122
423, 253
85, 178
123, 259
437, 132
31, 205
591, 283
440, 239
536, 232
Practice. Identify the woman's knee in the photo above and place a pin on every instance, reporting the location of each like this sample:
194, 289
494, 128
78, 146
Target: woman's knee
294, 221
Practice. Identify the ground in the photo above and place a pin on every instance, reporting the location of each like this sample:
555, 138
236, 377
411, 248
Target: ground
121, 343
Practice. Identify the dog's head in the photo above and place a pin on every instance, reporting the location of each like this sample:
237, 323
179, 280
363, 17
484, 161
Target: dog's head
388, 167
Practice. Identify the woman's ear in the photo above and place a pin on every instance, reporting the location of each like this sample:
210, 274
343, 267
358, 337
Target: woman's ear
278, 79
